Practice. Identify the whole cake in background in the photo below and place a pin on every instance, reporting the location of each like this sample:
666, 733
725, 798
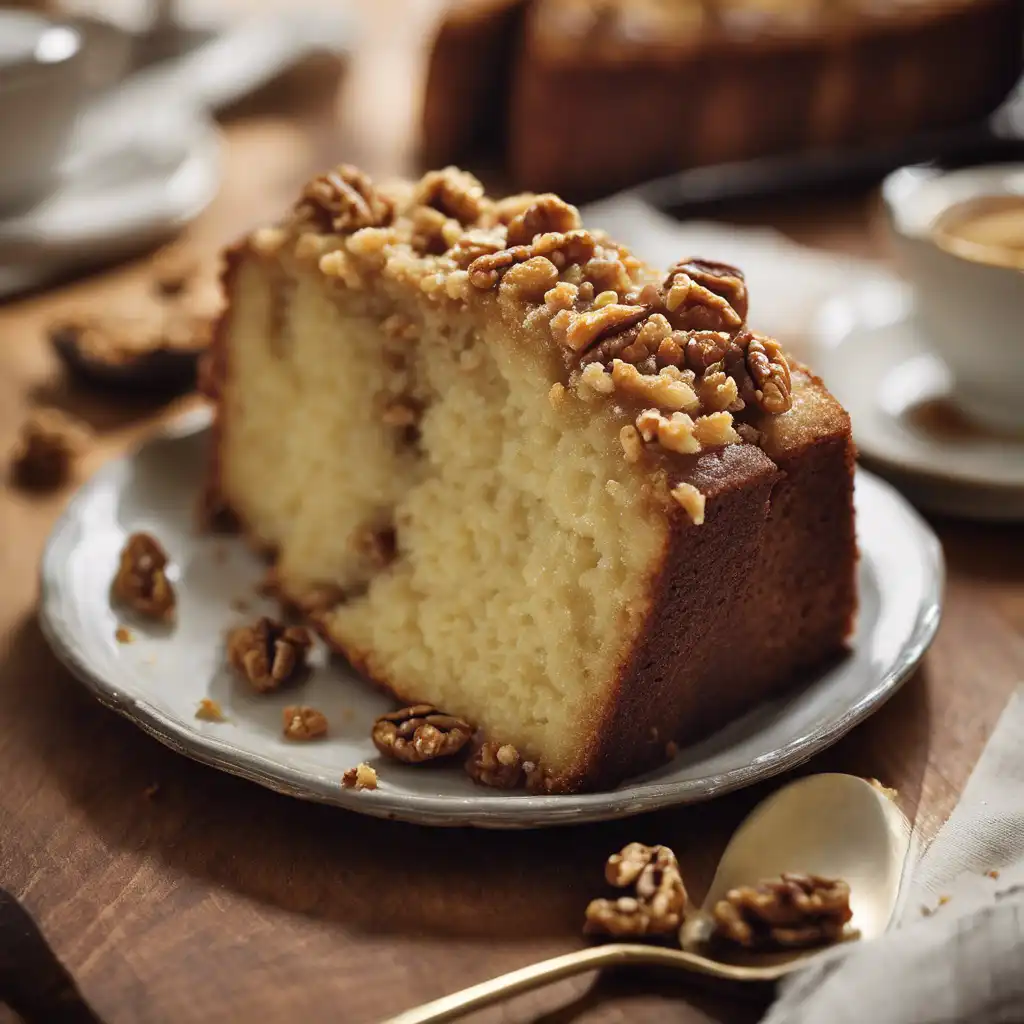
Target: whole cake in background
587, 96
512, 472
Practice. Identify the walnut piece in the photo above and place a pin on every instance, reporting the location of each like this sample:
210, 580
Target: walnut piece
456, 194
496, 764
719, 279
299, 722
660, 900
49, 443
269, 654
360, 777
420, 733
769, 370
546, 213
141, 581
691, 500
562, 248
792, 911
343, 200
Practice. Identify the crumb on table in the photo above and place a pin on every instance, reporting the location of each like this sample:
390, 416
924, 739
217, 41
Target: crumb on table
123, 635
360, 777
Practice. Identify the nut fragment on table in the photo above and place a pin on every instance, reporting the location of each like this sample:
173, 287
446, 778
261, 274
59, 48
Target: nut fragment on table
660, 898
141, 583
420, 733
210, 711
300, 722
268, 653
789, 912
360, 777
45, 452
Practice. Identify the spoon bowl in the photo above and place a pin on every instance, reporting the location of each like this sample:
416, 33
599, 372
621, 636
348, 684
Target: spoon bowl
838, 826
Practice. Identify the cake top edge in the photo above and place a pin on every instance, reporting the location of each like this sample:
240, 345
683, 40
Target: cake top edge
672, 350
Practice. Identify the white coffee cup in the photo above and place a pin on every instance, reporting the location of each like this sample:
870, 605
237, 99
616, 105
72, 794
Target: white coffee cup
969, 310
42, 89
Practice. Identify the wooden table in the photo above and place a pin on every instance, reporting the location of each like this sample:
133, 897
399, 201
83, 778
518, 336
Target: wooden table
218, 900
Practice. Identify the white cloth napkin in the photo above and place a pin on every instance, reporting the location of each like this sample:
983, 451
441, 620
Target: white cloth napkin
958, 953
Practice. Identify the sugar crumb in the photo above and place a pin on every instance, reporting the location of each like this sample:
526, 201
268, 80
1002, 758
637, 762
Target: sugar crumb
210, 711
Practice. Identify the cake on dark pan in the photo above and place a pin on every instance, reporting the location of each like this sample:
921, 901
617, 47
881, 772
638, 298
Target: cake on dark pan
511, 471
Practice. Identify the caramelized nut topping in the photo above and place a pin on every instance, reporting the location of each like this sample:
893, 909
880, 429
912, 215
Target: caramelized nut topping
343, 200
299, 722
691, 500
546, 213
793, 911
769, 371
141, 582
420, 733
560, 247
660, 901
269, 654
720, 279
456, 194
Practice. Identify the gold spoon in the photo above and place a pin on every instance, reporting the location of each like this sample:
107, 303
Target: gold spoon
838, 826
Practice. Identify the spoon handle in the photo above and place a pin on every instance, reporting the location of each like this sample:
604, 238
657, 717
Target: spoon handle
525, 979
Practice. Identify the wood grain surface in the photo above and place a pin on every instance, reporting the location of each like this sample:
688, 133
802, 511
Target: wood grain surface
217, 900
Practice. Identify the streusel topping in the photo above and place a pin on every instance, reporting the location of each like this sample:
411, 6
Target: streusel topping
672, 352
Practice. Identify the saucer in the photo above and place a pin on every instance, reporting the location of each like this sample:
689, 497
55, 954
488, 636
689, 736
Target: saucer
876, 359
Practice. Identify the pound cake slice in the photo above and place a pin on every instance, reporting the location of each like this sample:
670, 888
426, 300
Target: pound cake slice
509, 470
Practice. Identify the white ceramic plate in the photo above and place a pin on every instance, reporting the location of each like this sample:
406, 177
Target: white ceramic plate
158, 680
877, 361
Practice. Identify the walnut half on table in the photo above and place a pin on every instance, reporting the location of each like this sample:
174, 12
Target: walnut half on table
660, 897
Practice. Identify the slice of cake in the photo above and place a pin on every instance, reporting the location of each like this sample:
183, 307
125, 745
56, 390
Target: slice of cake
509, 470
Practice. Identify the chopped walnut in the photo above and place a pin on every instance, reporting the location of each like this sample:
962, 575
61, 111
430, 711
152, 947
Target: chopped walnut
595, 377
420, 733
268, 653
792, 911
692, 307
299, 722
141, 582
719, 279
360, 777
343, 200
562, 248
703, 348
718, 392
691, 500
49, 443
581, 330
532, 279
715, 429
454, 193
769, 371
660, 901
546, 213
674, 433
474, 244
666, 389
495, 764
209, 711
607, 274
632, 444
